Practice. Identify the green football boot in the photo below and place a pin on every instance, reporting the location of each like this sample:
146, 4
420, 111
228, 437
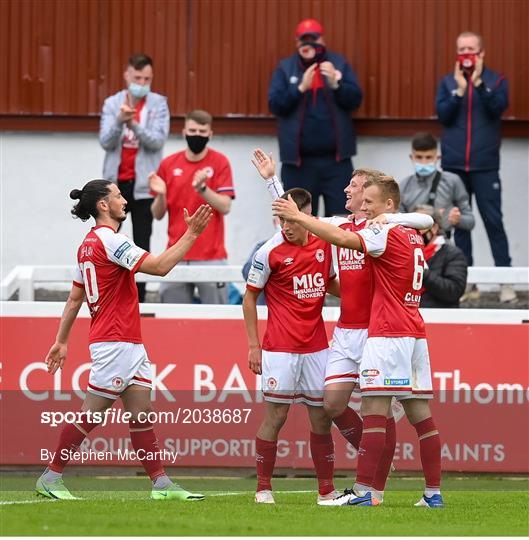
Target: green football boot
54, 490
174, 491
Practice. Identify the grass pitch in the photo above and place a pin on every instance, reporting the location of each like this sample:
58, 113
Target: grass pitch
480, 506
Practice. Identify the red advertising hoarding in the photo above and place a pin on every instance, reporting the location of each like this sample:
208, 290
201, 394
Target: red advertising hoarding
213, 404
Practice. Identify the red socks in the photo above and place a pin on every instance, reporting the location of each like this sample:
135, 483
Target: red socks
350, 425
72, 435
143, 439
384, 465
265, 457
322, 450
430, 448
371, 448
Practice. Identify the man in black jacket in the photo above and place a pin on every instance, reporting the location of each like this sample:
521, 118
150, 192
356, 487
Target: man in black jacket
445, 278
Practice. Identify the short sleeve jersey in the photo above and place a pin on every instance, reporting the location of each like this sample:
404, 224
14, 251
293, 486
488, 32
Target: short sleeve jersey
356, 278
178, 172
398, 268
107, 262
294, 279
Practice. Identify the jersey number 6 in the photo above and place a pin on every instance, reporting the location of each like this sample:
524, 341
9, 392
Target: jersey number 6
418, 272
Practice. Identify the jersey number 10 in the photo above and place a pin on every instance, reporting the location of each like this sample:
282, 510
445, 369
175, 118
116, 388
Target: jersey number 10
90, 281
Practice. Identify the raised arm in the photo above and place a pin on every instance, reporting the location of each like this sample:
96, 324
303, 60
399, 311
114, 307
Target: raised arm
288, 210
266, 167
162, 264
57, 354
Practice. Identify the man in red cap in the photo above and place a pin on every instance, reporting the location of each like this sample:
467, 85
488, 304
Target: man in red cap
312, 94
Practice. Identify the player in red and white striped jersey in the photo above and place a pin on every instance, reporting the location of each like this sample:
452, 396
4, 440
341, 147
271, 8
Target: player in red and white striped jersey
395, 360
294, 268
107, 262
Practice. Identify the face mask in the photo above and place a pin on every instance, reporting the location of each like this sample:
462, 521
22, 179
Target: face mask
196, 143
425, 169
138, 91
467, 61
319, 50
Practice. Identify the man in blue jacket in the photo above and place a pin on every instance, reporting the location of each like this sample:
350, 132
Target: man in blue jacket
469, 104
312, 94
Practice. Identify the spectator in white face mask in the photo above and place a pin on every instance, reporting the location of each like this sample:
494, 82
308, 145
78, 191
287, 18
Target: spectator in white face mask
134, 127
429, 185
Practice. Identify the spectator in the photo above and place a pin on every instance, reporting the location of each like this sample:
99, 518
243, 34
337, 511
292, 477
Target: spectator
442, 190
469, 104
187, 179
312, 93
445, 278
134, 127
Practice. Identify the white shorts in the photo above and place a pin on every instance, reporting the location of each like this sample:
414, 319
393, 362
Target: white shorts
294, 378
115, 366
345, 355
396, 366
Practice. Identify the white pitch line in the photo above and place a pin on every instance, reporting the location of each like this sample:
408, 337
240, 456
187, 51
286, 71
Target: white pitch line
31, 501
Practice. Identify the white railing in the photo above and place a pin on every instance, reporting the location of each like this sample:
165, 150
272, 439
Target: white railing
24, 278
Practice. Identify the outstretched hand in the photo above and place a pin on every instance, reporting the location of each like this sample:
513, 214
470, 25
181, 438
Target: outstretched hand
56, 357
199, 220
264, 163
286, 209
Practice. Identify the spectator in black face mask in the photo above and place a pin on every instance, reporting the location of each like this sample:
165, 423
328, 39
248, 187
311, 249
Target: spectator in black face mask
445, 278
312, 94
188, 179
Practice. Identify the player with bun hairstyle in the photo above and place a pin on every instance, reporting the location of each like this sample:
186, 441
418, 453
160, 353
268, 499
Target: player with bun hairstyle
107, 261
88, 198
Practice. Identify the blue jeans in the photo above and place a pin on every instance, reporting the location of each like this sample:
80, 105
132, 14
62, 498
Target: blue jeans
486, 186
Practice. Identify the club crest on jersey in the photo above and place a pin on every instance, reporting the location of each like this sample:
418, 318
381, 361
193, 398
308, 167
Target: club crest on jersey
320, 255
178, 172
271, 383
288, 261
209, 172
117, 382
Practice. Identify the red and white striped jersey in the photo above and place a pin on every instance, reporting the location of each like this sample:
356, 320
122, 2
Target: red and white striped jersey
107, 262
398, 269
294, 279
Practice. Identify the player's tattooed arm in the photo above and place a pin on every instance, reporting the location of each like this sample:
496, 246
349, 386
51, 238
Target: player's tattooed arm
266, 167
249, 309
288, 210
57, 353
